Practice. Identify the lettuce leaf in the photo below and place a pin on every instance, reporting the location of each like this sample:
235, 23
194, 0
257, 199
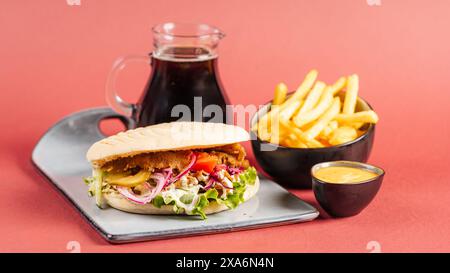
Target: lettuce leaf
88, 180
187, 198
203, 201
158, 201
211, 194
249, 176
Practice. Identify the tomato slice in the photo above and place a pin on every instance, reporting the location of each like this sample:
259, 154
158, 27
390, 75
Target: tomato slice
205, 162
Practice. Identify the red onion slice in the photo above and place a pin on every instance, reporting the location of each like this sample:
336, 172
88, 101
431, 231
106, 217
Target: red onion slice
130, 195
208, 185
167, 178
193, 158
234, 171
161, 181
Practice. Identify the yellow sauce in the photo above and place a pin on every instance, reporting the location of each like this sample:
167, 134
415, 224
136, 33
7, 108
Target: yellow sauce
343, 175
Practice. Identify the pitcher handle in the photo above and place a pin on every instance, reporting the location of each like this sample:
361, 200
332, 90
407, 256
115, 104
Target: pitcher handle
114, 100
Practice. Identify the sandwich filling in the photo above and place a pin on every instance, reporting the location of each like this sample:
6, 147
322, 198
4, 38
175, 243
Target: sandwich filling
186, 180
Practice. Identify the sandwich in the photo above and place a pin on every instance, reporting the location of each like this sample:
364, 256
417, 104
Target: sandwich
189, 168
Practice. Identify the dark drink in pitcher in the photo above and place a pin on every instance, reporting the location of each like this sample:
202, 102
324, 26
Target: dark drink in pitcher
182, 76
184, 83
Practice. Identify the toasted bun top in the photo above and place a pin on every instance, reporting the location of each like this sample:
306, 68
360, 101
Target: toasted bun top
174, 136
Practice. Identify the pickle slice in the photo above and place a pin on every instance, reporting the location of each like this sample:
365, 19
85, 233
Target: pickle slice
126, 180
98, 189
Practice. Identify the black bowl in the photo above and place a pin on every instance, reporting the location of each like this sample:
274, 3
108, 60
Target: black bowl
343, 200
291, 167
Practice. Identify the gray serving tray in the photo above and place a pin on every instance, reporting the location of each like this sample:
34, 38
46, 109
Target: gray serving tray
60, 156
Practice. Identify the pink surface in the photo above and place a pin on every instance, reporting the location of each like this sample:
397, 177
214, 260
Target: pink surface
55, 59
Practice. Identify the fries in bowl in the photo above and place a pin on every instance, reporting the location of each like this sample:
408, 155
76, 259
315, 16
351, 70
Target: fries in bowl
316, 115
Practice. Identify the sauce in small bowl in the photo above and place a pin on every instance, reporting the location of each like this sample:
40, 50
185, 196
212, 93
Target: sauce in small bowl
344, 175
345, 188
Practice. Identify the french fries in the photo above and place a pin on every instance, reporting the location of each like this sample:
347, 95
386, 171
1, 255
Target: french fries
306, 85
342, 135
338, 85
326, 132
313, 97
330, 114
358, 118
351, 95
290, 110
264, 122
280, 94
299, 136
316, 115
325, 101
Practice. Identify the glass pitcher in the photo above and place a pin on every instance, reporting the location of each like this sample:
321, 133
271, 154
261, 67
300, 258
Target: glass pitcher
184, 83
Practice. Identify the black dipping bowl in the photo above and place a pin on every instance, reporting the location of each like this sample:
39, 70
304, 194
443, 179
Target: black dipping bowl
342, 200
291, 167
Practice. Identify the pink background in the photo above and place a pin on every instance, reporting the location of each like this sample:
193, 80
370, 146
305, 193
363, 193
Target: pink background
55, 59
